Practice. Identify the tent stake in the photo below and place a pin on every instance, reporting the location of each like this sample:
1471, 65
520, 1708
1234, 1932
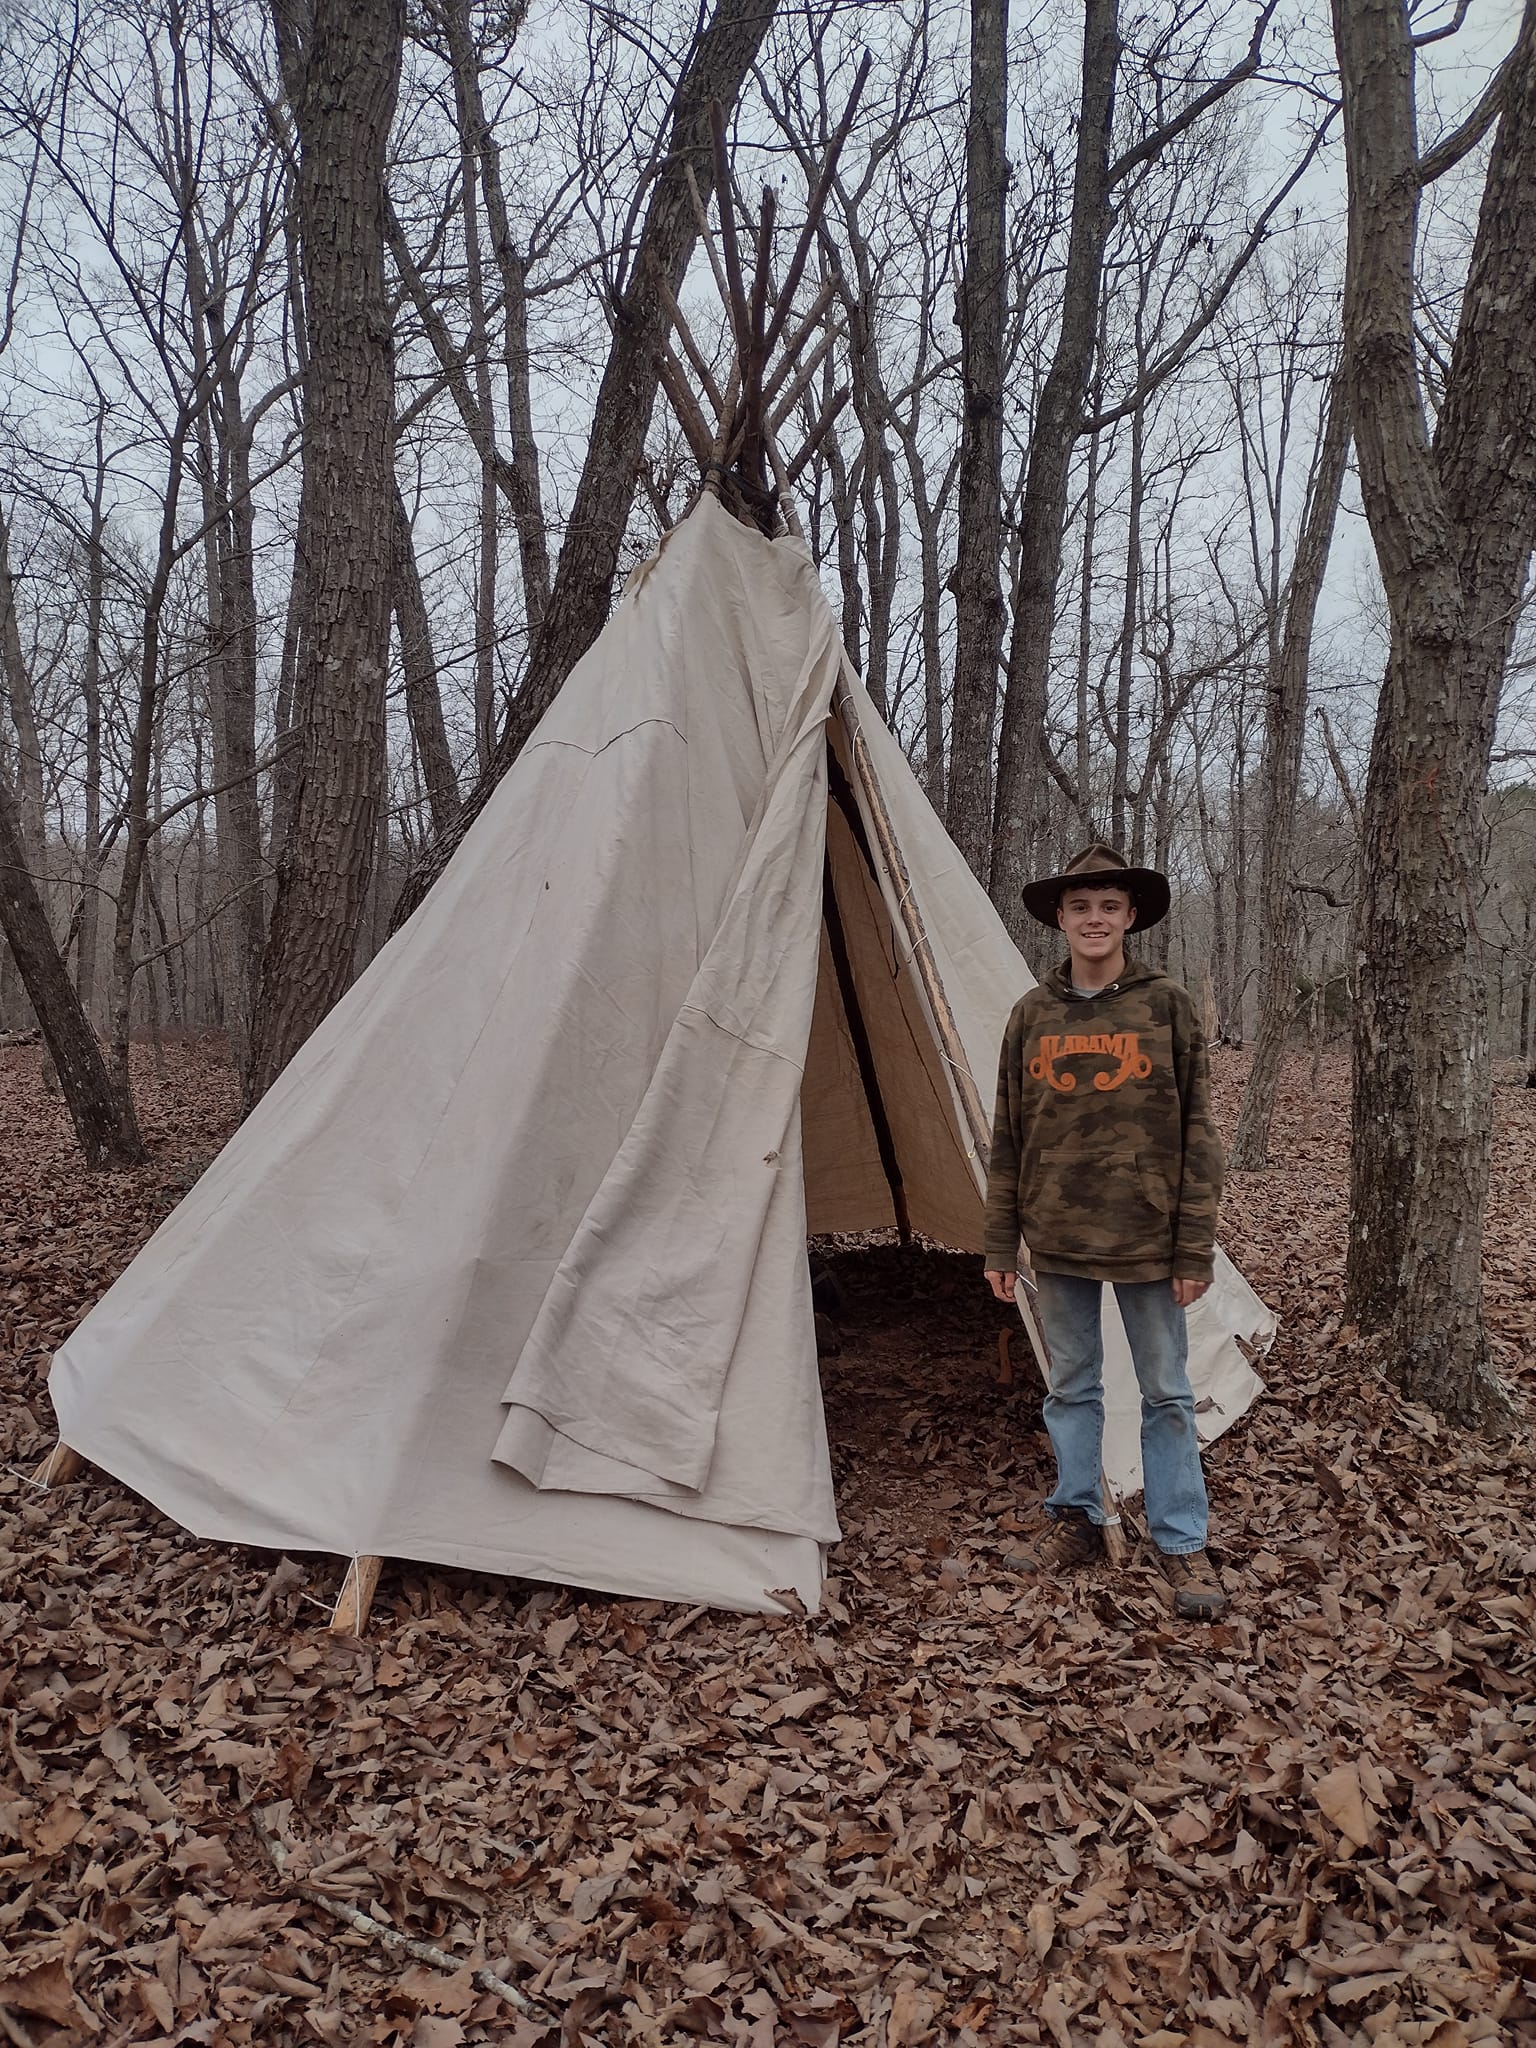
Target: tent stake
350, 1617
863, 1051
59, 1467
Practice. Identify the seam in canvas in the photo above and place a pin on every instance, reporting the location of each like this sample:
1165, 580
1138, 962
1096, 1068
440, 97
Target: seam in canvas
593, 752
752, 1044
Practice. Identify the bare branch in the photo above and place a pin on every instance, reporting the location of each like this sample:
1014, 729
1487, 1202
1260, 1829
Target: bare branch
1450, 149
1341, 773
1439, 35
1154, 144
1158, 372
1322, 889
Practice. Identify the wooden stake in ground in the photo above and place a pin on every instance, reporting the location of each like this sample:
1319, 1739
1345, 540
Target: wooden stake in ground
59, 1467
350, 1616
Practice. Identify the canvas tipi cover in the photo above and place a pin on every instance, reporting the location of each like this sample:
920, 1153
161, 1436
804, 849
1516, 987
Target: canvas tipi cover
508, 1269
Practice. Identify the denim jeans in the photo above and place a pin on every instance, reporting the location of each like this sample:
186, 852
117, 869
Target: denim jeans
1074, 1407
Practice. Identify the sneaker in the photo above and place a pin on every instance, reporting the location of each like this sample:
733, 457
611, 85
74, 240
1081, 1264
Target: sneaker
1071, 1538
1197, 1593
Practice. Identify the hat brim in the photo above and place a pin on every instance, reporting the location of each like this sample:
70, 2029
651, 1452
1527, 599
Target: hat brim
1146, 887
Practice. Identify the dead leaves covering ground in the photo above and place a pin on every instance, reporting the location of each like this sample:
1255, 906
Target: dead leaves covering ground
951, 1809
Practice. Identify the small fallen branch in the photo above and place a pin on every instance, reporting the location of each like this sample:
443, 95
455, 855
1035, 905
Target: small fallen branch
390, 1937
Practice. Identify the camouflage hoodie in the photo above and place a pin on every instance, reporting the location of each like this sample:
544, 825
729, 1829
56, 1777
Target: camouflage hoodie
1105, 1158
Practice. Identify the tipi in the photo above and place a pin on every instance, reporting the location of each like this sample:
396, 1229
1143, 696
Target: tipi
508, 1270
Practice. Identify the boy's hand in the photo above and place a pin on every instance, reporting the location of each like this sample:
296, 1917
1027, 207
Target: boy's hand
1002, 1284
1187, 1292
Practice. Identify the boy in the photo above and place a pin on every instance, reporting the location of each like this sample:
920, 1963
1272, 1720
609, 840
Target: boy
1105, 1160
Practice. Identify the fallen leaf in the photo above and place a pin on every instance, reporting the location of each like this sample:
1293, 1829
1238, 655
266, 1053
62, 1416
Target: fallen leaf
1342, 1802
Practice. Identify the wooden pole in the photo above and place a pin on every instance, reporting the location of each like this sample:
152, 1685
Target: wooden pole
59, 1467
350, 1617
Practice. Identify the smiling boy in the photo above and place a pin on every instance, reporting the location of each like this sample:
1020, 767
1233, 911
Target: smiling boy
1106, 1162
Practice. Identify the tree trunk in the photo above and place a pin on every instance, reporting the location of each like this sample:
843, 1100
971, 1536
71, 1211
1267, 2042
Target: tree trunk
982, 311
18, 691
285, 773
101, 1110
524, 490
477, 349
1125, 661
1280, 781
1453, 522
90, 686
347, 69
582, 595
423, 700
1021, 776
237, 810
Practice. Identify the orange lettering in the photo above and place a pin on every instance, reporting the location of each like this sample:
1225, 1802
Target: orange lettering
1121, 1046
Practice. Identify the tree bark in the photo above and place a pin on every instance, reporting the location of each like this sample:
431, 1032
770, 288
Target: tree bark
90, 685
582, 595
100, 1108
423, 700
523, 489
1021, 801
978, 584
18, 692
1453, 520
1280, 781
348, 68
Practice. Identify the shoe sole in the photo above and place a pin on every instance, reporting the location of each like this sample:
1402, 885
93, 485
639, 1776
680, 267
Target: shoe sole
1191, 1607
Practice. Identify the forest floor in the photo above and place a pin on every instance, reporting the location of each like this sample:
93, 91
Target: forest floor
952, 1808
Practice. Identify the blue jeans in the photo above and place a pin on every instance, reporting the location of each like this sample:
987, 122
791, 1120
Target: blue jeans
1074, 1406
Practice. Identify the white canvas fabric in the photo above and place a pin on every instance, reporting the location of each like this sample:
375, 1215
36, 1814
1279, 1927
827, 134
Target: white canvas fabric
508, 1269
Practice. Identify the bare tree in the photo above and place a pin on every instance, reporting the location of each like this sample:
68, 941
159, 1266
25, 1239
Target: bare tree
1060, 417
341, 69
982, 312
1284, 732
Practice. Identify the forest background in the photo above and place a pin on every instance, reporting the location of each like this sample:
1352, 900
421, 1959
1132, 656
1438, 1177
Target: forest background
329, 424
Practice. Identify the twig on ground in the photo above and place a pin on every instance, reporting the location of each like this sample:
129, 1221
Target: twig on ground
423, 1951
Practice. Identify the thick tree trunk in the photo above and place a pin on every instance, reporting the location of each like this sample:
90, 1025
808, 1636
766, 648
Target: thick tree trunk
1422, 1080
582, 595
1280, 780
1021, 803
101, 1109
983, 308
349, 65
1453, 523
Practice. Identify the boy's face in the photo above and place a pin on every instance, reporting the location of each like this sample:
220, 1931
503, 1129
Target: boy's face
1095, 921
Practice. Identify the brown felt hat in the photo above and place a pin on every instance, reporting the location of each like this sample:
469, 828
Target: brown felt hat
1100, 867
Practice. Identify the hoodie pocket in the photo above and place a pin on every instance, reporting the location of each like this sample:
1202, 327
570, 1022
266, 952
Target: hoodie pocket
1153, 1176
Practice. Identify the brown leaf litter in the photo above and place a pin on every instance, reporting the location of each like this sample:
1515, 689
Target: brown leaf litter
951, 1808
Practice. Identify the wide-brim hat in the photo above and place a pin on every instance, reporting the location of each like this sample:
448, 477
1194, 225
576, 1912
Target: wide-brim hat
1100, 867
